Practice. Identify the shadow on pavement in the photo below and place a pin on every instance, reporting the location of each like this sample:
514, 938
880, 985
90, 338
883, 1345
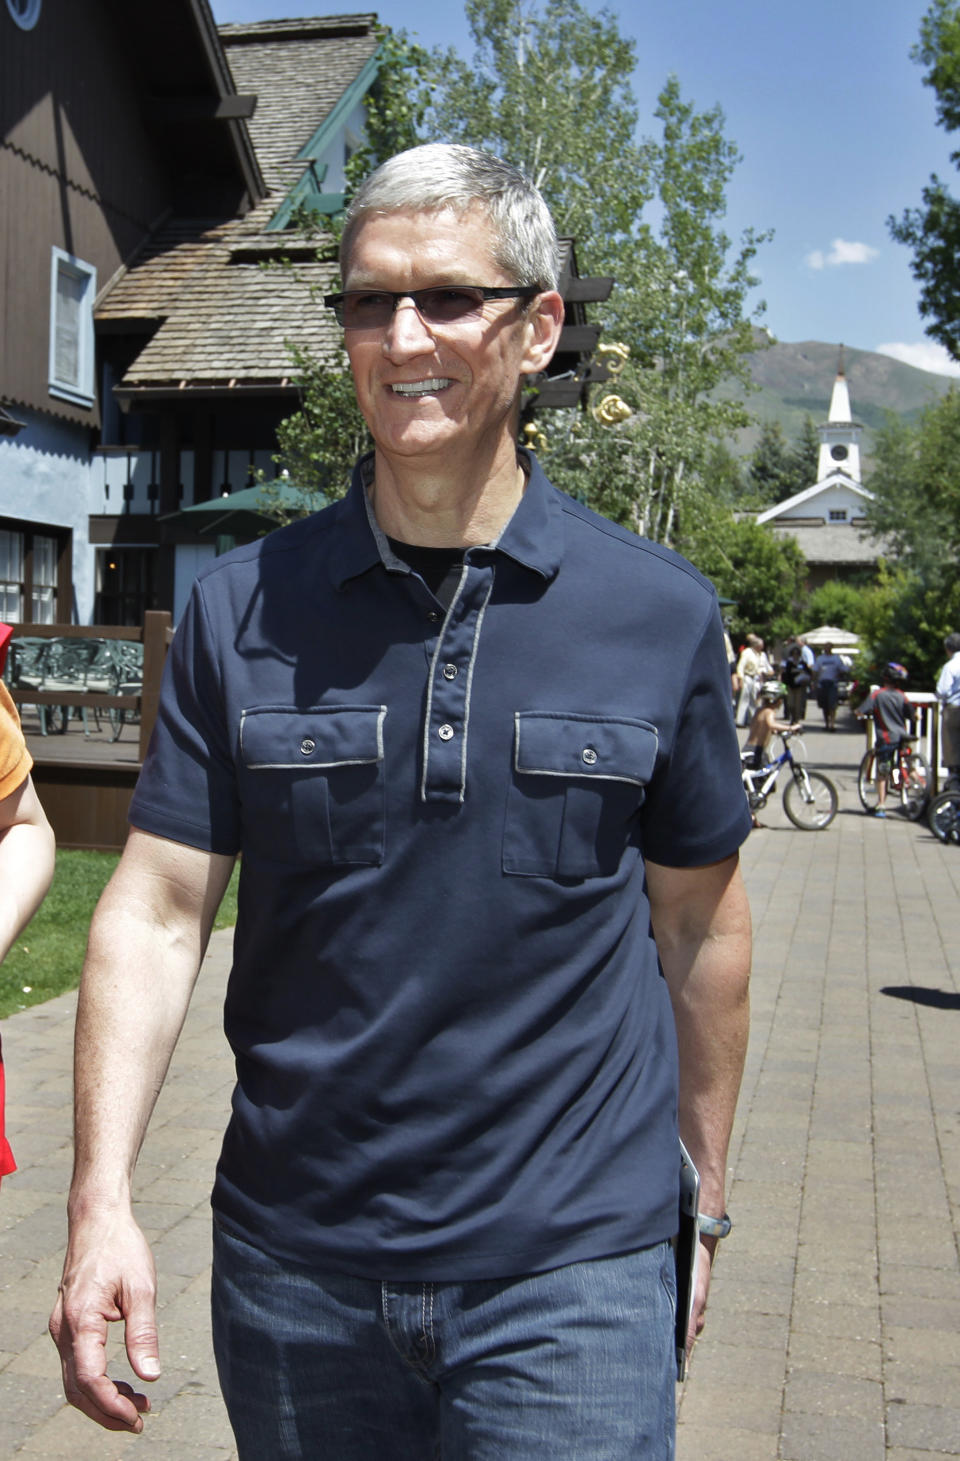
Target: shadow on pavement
940, 999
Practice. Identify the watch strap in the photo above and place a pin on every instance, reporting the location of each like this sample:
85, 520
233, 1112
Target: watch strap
713, 1227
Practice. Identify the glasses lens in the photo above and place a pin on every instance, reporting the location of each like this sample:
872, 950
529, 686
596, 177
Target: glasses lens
448, 304
366, 310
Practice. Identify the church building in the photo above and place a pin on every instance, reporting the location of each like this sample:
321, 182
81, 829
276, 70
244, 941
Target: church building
827, 519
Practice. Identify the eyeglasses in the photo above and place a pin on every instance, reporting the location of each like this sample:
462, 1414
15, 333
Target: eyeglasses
446, 304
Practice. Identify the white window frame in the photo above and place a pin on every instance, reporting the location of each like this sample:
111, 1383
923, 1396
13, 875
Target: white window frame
81, 391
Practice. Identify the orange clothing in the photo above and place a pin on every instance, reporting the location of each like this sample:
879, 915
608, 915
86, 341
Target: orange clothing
16, 762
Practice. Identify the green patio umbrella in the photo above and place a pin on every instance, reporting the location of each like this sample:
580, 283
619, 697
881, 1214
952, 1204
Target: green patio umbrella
244, 514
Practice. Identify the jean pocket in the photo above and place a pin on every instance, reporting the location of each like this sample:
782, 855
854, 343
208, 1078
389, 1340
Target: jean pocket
578, 782
312, 783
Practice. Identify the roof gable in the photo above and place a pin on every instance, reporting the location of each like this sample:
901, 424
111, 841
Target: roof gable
828, 484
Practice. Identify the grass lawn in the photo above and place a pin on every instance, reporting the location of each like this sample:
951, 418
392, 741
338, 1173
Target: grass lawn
47, 958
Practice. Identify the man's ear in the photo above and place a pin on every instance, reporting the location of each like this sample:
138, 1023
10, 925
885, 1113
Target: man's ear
544, 323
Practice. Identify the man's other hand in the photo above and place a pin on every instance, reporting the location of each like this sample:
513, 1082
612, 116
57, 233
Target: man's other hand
108, 1275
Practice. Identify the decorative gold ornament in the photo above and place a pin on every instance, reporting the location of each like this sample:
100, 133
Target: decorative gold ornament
534, 438
611, 410
614, 355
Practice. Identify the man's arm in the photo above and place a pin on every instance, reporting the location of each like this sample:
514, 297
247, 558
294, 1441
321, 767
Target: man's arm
26, 861
701, 922
147, 939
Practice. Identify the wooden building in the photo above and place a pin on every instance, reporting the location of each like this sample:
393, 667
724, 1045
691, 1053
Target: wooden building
150, 166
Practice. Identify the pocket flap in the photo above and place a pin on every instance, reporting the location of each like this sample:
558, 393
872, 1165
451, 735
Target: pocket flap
278, 737
611, 748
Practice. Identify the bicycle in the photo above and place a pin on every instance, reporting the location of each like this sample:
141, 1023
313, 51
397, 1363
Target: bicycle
909, 779
810, 799
943, 816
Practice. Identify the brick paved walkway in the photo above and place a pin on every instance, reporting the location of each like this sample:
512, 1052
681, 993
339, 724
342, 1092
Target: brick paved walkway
834, 1329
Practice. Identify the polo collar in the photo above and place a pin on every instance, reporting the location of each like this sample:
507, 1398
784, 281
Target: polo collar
533, 537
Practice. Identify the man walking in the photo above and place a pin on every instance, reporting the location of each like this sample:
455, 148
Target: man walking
489, 813
830, 670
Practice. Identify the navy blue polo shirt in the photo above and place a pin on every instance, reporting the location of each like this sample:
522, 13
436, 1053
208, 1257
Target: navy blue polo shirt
455, 1050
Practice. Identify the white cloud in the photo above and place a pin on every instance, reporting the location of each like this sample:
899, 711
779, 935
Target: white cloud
926, 355
842, 251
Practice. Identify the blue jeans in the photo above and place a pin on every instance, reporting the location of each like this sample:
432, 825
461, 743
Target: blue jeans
318, 1366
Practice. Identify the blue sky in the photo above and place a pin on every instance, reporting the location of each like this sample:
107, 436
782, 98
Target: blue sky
836, 129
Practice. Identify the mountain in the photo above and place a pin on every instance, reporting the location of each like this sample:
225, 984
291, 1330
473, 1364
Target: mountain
794, 381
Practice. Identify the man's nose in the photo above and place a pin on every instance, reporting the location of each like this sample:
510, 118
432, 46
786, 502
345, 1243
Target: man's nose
407, 333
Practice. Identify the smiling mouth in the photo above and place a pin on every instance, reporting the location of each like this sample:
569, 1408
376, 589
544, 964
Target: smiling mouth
421, 387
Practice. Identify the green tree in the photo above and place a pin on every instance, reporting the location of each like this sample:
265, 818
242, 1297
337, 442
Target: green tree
915, 484
763, 574
679, 300
320, 442
837, 602
547, 88
771, 468
805, 456
933, 230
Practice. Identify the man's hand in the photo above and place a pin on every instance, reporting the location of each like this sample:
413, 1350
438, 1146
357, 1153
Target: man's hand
108, 1275
698, 1314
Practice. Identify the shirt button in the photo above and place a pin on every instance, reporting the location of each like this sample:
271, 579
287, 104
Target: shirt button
589, 756
307, 747
446, 732
433, 616
449, 672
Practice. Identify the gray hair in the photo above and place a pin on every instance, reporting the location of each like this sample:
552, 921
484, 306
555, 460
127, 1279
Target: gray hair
447, 175
952, 643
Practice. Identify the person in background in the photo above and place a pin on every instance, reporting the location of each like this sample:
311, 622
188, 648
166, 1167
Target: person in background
948, 694
492, 947
809, 658
796, 678
892, 714
830, 670
748, 676
26, 856
764, 725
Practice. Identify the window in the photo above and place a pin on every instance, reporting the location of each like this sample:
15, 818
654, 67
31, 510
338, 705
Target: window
30, 573
838, 514
125, 585
43, 587
25, 13
11, 577
73, 286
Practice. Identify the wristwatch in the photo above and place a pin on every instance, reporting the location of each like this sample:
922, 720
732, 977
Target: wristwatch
713, 1227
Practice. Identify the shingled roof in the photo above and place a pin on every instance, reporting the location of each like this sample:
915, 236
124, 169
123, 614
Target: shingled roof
299, 70
220, 306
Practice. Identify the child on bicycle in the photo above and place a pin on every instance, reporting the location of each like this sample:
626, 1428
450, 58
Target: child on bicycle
765, 723
891, 713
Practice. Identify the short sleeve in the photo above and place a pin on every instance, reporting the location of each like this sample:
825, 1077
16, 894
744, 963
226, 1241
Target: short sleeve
16, 762
696, 812
187, 789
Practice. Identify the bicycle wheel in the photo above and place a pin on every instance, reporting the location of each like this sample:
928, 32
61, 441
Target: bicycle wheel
810, 800
867, 781
943, 818
914, 785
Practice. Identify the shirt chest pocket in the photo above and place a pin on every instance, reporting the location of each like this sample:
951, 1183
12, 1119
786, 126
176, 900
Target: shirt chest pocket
312, 783
577, 784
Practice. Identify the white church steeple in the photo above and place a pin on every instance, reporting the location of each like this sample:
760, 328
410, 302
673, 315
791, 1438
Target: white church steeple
840, 436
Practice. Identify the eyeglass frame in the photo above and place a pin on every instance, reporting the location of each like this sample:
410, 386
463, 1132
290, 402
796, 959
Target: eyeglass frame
335, 302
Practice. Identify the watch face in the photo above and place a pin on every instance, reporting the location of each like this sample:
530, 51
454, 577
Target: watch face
839, 453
